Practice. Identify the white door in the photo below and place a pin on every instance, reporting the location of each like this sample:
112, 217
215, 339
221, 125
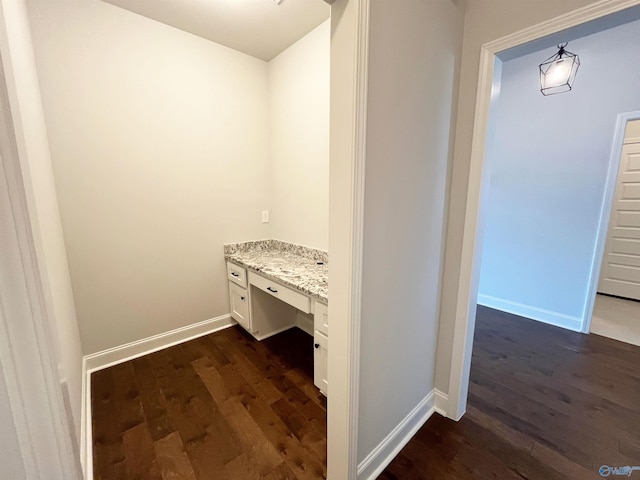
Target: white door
620, 273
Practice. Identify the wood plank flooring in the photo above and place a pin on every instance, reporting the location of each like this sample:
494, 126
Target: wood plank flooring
223, 406
544, 403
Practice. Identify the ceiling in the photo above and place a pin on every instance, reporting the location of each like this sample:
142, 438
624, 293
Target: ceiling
260, 28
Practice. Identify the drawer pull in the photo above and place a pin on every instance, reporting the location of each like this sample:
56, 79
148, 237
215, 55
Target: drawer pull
272, 290
235, 274
241, 298
316, 345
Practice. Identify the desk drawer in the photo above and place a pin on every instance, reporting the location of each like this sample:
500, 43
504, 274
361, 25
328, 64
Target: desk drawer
286, 294
237, 274
321, 318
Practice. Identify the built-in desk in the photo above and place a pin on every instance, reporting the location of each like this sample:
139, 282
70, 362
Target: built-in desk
272, 284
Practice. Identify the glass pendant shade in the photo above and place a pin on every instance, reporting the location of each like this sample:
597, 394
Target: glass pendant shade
557, 73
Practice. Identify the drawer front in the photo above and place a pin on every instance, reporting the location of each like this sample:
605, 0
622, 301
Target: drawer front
321, 318
286, 294
239, 304
237, 274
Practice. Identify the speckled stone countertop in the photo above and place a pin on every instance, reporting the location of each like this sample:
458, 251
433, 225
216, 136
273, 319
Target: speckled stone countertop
302, 268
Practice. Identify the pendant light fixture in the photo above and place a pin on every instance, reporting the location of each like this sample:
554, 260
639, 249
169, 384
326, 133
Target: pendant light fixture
557, 73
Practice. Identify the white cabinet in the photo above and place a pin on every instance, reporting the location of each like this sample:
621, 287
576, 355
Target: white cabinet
321, 318
237, 274
320, 356
321, 346
239, 303
286, 294
239, 295
264, 308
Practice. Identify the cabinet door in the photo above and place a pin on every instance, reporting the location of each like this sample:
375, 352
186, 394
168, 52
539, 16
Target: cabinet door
239, 304
320, 356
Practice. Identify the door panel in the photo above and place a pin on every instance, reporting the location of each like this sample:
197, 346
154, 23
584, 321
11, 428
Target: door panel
627, 246
628, 219
620, 273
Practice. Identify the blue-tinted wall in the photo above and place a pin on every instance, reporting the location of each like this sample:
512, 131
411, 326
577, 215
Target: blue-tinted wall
548, 166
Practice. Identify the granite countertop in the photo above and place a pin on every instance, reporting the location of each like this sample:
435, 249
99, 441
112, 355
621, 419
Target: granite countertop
302, 268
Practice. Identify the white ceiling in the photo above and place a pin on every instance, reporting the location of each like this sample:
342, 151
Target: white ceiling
260, 28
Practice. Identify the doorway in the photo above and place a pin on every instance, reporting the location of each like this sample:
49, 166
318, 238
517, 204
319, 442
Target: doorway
492, 57
617, 318
617, 302
548, 196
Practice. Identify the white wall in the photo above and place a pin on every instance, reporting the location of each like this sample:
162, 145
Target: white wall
159, 141
414, 50
165, 146
548, 169
299, 140
485, 20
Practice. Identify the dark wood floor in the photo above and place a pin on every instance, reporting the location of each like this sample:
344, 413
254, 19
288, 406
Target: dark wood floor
544, 403
219, 407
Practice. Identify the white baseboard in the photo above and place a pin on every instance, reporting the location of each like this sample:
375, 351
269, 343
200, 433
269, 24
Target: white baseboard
441, 402
113, 356
129, 351
381, 456
534, 313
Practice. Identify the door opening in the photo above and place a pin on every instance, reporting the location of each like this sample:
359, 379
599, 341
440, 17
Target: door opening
492, 56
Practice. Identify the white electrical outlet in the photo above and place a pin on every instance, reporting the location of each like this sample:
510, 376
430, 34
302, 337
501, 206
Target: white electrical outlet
265, 216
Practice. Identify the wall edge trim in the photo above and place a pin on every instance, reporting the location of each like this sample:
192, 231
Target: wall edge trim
86, 460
